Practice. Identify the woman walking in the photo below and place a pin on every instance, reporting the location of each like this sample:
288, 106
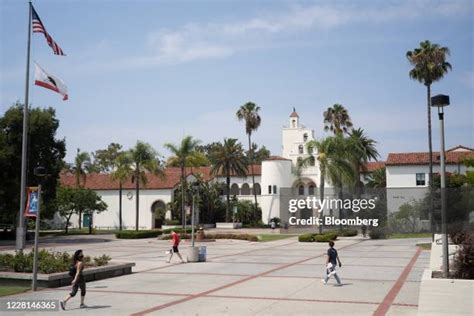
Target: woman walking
78, 282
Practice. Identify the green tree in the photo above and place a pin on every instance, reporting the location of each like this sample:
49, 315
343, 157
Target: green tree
144, 159
259, 154
44, 149
249, 114
105, 160
377, 179
361, 149
71, 201
337, 120
122, 172
228, 160
429, 65
185, 155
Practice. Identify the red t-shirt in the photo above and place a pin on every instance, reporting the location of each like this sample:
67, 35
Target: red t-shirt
176, 240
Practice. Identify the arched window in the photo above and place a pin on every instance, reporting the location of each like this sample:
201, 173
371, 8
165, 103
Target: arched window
305, 137
310, 149
257, 189
311, 188
223, 189
301, 189
274, 189
245, 190
293, 123
312, 161
269, 189
234, 189
300, 149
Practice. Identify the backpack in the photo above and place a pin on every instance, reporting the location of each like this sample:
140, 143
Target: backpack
72, 270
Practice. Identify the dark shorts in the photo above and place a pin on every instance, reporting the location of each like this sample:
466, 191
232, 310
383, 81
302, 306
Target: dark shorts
81, 284
175, 249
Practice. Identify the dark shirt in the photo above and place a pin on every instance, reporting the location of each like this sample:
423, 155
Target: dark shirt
332, 254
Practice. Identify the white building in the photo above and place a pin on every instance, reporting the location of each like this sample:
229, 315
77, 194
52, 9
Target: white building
275, 178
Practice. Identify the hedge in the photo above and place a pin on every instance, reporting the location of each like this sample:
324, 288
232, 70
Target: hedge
133, 234
248, 237
326, 237
348, 232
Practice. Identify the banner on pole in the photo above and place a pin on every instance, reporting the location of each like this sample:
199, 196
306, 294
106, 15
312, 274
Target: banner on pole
32, 202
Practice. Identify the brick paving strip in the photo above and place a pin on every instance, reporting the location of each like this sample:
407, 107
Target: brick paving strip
392, 294
225, 286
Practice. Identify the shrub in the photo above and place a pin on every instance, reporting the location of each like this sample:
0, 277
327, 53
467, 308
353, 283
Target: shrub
132, 234
348, 232
102, 260
172, 222
464, 257
378, 233
179, 230
247, 214
6, 261
276, 220
306, 237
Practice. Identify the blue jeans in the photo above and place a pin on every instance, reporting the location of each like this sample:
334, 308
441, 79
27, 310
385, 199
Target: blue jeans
326, 277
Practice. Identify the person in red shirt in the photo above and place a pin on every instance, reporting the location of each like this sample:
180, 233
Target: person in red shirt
175, 240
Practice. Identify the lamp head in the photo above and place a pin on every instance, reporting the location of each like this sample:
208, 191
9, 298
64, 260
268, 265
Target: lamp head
40, 171
440, 100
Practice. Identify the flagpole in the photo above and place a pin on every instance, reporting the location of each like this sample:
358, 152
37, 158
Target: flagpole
20, 231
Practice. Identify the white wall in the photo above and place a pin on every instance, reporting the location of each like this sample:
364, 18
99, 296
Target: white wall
405, 176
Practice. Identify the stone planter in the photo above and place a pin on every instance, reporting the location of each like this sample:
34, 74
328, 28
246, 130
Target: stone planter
113, 269
193, 254
228, 225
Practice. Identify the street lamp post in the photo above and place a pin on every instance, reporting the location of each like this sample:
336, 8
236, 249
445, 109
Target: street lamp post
441, 101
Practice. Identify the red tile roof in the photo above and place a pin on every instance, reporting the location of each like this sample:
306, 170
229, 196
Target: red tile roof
371, 166
98, 181
452, 157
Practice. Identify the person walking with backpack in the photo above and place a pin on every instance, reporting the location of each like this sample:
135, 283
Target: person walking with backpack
175, 240
332, 259
78, 281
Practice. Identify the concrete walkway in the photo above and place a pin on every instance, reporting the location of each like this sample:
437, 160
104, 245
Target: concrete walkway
249, 278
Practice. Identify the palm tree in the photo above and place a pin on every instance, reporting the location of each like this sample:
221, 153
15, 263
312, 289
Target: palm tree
144, 159
228, 159
361, 149
185, 155
81, 167
337, 120
377, 179
331, 157
429, 65
249, 113
122, 171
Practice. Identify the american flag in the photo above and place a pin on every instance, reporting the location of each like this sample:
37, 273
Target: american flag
38, 27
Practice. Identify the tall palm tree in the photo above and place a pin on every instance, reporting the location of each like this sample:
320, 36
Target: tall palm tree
144, 159
429, 65
361, 149
228, 159
80, 168
249, 113
332, 161
185, 155
122, 171
337, 120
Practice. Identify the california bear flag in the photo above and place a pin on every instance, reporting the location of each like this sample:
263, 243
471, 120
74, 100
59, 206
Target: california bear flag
45, 80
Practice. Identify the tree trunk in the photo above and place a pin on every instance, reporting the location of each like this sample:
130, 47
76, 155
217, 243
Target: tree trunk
90, 224
430, 145
321, 197
251, 170
120, 205
67, 222
227, 207
137, 194
80, 220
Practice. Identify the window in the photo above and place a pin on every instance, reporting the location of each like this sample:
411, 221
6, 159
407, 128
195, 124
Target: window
274, 189
245, 190
234, 189
420, 179
312, 161
301, 189
305, 137
269, 189
300, 149
256, 189
310, 149
311, 189
293, 123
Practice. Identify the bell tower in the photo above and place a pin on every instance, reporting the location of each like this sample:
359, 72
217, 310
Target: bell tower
294, 119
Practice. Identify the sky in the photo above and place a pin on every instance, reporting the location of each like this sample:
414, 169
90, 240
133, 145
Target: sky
158, 70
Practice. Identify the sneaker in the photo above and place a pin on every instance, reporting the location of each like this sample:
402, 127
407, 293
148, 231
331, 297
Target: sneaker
324, 281
167, 261
83, 306
338, 284
63, 305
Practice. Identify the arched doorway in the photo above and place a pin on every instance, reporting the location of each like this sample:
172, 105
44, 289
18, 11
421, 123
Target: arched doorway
158, 211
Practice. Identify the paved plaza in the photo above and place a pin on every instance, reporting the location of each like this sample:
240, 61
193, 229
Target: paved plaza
253, 278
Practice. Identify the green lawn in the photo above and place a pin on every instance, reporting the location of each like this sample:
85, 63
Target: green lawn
271, 237
10, 290
410, 235
83, 231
